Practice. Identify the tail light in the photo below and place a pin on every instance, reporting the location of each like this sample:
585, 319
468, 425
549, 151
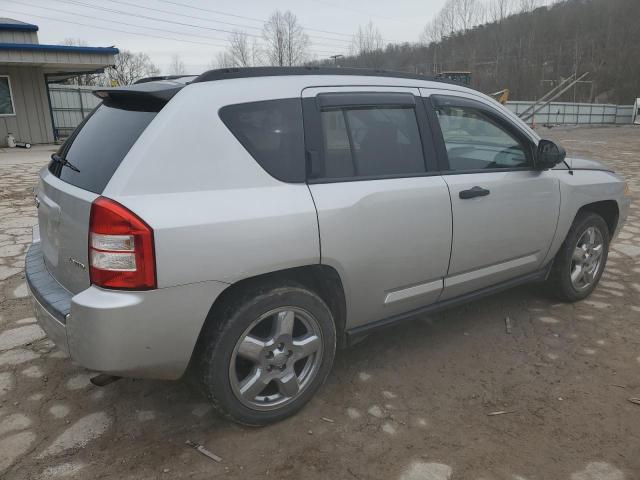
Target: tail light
121, 252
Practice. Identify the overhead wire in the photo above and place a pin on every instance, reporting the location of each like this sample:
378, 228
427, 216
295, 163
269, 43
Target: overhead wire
164, 20
21, 2
253, 27
261, 20
100, 27
147, 27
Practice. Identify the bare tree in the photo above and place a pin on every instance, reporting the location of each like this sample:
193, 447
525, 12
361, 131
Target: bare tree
74, 42
177, 67
130, 67
431, 33
368, 45
286, 42
498, 10
466, 13
529, 5
367, 39
222, 60
447, 18
243, 52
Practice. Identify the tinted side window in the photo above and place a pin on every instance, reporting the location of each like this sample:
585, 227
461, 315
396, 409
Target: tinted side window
371, 141
475, 141
100, 145
272, 133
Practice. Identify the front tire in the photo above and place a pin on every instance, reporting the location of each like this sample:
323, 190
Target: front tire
581, 260
266, 354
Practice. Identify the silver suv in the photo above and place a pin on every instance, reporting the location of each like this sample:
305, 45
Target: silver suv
241, 224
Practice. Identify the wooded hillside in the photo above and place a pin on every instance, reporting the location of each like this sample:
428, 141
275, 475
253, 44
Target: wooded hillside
531, 51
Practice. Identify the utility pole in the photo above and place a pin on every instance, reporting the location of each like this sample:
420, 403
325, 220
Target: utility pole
336, 57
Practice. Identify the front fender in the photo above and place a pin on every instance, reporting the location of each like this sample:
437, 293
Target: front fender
579, 188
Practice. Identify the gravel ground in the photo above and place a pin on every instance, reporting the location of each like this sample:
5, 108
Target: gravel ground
410, 403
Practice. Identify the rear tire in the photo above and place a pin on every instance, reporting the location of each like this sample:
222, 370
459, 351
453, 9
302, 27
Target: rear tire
266, 353
581, 259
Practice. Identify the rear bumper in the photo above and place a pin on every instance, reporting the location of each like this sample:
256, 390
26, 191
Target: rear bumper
148, 334
51, 302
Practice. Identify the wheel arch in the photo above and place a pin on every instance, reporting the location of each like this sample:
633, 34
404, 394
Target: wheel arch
607, 209
324, 280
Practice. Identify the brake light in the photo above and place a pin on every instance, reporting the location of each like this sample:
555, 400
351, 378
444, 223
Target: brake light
121, 250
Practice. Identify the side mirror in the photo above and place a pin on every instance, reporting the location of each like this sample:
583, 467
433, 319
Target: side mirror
549, 154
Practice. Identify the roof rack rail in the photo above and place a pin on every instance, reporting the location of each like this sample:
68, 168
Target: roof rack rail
160, 77
248, 72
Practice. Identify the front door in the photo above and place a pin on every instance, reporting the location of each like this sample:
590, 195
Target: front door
384, 216
504, 211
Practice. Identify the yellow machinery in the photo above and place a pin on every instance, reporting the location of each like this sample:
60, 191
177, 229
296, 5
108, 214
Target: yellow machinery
502, 96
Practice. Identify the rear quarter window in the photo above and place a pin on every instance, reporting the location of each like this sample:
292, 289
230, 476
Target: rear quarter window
271, 131
100, 144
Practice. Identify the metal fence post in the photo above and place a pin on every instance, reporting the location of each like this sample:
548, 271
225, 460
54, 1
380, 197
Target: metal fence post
81, 102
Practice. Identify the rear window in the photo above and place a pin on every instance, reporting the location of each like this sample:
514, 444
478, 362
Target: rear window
100, 144
272, 133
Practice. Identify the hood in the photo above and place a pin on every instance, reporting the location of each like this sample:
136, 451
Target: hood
584, 164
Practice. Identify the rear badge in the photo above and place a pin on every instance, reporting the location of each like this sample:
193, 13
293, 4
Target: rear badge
77, 263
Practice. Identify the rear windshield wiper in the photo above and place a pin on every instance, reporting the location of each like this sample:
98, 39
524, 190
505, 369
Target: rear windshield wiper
64, 162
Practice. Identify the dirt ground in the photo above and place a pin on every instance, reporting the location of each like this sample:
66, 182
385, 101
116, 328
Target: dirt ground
409, 403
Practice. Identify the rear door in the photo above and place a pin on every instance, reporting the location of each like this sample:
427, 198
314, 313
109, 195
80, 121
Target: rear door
64, 194
505, 212
384, 213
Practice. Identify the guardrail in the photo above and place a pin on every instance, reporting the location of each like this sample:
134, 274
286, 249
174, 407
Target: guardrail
565, 113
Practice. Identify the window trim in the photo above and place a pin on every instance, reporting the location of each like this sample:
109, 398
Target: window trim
431, 103
13, 105
345, 100
314, 140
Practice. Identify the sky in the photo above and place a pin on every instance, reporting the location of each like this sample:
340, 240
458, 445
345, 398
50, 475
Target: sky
197, 30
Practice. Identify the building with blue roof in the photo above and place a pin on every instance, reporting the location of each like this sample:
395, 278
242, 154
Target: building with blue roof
27, 67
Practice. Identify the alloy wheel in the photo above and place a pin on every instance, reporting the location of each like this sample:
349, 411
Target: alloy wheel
587, 259
276, 358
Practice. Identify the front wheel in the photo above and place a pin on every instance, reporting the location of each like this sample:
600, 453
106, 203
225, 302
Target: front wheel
268, 355
581, 259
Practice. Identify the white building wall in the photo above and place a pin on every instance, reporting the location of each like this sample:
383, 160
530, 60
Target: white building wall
18, 36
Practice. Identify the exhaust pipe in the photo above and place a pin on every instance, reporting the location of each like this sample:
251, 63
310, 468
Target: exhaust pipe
104, 379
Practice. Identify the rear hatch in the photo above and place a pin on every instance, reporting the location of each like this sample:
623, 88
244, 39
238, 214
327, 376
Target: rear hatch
85, 163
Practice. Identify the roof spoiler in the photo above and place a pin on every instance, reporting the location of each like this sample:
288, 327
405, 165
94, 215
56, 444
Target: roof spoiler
156, 92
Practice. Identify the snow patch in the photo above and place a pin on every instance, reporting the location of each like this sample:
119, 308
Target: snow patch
598, 471
79, 434
427, 471
354, 414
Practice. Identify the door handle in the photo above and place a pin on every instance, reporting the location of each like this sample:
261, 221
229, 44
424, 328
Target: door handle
474, 192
